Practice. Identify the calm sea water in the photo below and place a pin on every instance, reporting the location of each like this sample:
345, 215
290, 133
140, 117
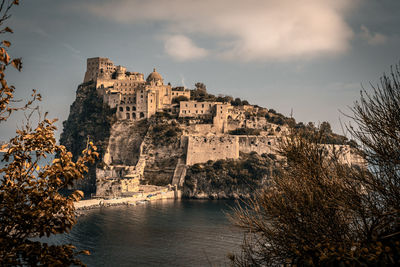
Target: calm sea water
160, 233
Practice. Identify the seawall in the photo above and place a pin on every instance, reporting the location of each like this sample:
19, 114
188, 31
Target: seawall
101, 202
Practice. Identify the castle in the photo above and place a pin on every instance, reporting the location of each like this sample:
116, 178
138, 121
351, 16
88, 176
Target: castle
136, 98
207, 131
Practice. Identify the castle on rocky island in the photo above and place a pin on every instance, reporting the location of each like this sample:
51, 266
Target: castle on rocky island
161, 131
136, 98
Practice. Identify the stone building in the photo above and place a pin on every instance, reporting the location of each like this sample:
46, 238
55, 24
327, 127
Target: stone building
136, 98
128, 92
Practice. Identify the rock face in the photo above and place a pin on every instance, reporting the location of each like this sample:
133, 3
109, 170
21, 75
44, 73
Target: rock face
124, 143
204, 159
88, 118
163, 147
229, 178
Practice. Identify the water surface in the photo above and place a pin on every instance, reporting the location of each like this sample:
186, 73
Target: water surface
160, 233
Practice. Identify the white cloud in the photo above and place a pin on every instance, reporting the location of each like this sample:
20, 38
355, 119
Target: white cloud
246, 30
182, 48
372, 38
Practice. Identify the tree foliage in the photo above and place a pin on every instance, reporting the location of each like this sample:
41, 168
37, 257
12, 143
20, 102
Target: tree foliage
320, 211
30, 202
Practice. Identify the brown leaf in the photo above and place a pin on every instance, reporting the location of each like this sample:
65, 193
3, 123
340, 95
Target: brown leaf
17, 63
7, 29
6, 43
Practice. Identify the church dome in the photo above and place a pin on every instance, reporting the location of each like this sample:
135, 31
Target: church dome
154, 76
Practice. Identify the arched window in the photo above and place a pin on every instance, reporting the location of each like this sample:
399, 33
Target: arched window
133, 108
128, 116
128, 109
141, 115
134, 115
121, 109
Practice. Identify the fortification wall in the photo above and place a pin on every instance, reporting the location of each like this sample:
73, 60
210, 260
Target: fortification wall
205, 148
259, 144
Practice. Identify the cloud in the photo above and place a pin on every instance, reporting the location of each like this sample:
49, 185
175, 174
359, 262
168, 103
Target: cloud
182, 48
372, 38
251, 30
71, 48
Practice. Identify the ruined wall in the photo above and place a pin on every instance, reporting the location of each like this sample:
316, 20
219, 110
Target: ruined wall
205, 148
259, 144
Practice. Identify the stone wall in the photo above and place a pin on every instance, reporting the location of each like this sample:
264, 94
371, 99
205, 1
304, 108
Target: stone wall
205, 148
259, 144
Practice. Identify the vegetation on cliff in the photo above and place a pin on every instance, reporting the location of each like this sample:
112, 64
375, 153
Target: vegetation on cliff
230, 178
163, 149
245, 131
89, 118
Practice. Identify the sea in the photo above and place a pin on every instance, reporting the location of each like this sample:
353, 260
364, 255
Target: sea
157, 233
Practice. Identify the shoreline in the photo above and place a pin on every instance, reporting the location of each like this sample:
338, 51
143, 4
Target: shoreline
96, 203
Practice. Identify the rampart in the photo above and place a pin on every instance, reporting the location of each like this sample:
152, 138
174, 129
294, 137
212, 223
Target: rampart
205, 148
259, 144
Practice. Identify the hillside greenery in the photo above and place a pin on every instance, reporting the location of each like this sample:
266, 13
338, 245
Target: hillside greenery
245, 174
89, 118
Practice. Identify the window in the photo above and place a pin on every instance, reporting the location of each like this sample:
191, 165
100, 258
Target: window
202, 105
121, 109
186, 105
197, 111
128, 109
195, 105
128, 117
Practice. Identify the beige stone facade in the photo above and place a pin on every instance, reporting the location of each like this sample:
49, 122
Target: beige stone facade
133, 96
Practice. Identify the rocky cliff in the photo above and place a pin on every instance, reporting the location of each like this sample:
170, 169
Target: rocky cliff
155, 151
229, 178
89, 118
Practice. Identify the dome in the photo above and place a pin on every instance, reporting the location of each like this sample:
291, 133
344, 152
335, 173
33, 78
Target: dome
154, 76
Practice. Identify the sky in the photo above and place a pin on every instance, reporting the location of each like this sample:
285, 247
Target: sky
309, 58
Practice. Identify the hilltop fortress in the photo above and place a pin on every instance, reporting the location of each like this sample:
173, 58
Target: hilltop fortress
160, 131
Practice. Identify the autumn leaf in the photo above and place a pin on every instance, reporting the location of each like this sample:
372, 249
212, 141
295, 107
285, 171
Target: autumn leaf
6, 43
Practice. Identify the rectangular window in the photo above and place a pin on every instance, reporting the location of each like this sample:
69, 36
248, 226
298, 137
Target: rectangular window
195, 105
202, 105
